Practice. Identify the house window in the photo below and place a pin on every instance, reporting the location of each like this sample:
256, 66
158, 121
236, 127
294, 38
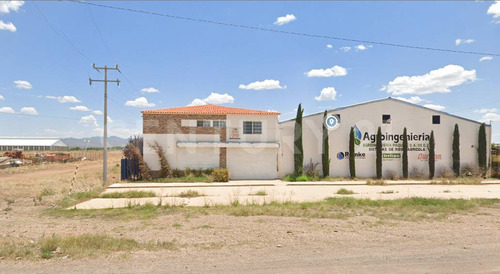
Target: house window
252, 127
201, 123
436, 119
219, 123
386, 118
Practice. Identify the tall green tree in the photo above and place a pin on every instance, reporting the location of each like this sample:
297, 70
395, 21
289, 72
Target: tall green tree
298, 150
352, 157
405, 154
432, 156
456, 151
378, 148
325, 156
481, 148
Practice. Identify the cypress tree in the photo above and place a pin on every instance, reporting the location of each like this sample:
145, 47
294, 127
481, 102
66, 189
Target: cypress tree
481, 148
298, 150
379, 153
325, 156
456, 151
405, 154
352, 160
432, 156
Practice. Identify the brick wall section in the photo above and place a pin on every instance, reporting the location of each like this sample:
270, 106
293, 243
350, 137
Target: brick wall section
171, 124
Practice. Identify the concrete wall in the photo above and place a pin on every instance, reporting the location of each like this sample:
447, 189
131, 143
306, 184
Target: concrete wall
367, 117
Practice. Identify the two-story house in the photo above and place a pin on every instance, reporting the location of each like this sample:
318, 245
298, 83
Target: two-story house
244, 141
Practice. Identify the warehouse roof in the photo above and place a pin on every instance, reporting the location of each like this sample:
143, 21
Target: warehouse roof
21, 141
209, 109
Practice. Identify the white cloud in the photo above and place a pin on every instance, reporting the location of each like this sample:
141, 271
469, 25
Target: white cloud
434, 107
327, 94
280, 21
485, 110
463, 41
29, 110
80, 108
21, 84
413, 99
439, 80
266, 84
494, 10
6, 110
493, 117
7, 6
140, 102
2, 98
362, 47
149, 90
329, 72
345, 49
7, 26
64, 99
110, 120
486, 58
98, 112
329, 46
217, 98
88, 120
197, 102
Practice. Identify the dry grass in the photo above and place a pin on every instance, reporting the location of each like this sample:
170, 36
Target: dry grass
457, 181
371, 182
344, 191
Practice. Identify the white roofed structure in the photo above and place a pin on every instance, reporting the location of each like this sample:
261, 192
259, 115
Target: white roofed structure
31, 144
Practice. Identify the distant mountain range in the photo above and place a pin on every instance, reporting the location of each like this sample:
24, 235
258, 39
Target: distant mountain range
93, 142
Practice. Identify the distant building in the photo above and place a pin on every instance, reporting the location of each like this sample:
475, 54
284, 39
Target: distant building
32, 144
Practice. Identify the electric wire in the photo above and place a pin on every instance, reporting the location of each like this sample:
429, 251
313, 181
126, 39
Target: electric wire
185, 18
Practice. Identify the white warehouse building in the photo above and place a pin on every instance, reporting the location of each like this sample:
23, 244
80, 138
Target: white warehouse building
392, 115
252, 144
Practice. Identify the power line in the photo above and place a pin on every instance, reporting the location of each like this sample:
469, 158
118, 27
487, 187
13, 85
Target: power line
282, 31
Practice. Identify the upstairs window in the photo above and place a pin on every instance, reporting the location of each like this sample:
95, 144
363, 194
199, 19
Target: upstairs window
202, 123
386, 118
252, 127
436, 119
219, 123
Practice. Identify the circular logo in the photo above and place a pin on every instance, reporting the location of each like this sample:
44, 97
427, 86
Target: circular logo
340, 155
332, 122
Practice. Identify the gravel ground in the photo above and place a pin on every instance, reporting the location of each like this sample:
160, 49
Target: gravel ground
262, 244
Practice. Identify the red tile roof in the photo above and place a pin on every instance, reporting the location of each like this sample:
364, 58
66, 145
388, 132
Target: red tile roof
209, 109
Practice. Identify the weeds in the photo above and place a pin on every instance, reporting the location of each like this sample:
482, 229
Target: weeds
190, 194
458, 181
129, 194
344, 191
387, 192
371, 182
259, 193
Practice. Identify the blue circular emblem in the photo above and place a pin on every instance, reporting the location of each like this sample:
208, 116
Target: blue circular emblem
332, 122
340, 155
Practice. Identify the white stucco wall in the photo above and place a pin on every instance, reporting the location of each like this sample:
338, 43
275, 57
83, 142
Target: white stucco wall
270, 127
367, 117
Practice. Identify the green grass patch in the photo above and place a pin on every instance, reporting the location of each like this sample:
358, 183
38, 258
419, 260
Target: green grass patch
259, 193
371, 182
408, 209
458, 181
189, 194
344, 191
86, 245
77, 197
129, 194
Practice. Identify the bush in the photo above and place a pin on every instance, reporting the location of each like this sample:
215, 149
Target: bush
198, 172
310, 169
208, 171
392, 175
165, 170
176, 173
445, 172
221, 174
469, 170
188, 171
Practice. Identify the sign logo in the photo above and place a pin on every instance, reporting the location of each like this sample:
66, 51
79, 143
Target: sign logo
357, 136
345, 155
332, 122
340, 155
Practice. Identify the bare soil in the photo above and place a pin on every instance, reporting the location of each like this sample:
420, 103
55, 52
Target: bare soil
464, 243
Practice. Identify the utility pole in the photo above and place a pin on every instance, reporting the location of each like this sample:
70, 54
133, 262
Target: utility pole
105, 137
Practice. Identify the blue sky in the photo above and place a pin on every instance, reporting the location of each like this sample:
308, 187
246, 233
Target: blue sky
48, 49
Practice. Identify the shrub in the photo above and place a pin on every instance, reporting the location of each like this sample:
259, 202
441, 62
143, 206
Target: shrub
310, 169
445, 172
418, 173
470, 170
378, 159
405, 154
143, 167
298, 149
221, 175
197, 172
188, 171
176, 173
392, 175
208, 171
165, 170
137, 141
208, 178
